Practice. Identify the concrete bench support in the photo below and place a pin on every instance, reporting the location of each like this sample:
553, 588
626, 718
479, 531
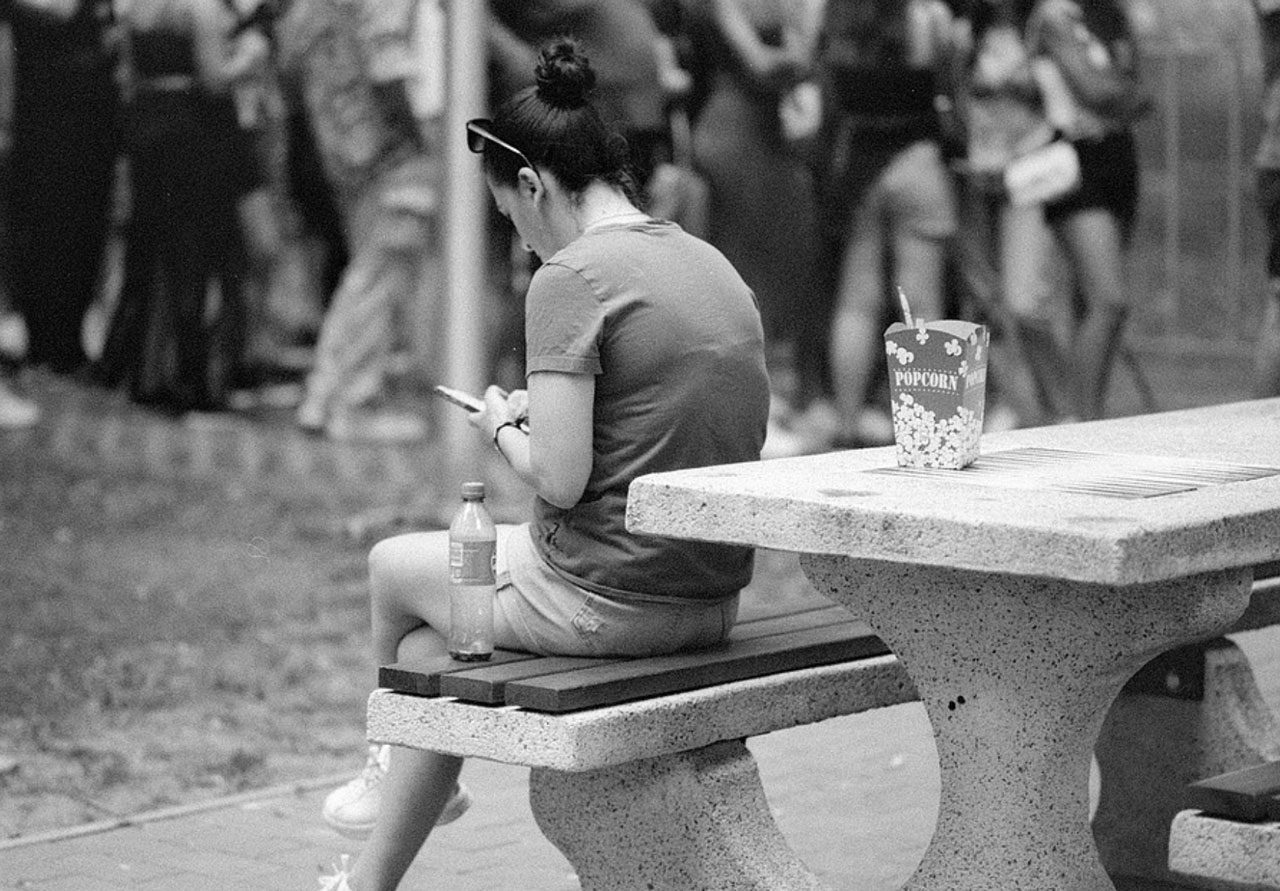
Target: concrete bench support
659, 793
1152, 746
696, 819
1224, 855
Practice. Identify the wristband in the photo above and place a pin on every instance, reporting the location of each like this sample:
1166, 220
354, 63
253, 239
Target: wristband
498, 430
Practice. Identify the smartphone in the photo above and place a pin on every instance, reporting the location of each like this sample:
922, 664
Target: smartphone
457, 397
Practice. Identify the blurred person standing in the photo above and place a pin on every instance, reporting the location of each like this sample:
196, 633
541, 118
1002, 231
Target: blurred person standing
889, 199
746, 56
1086, 65
176, 338
1005, 121
65, 144
351, 63
1267, 163
15, 411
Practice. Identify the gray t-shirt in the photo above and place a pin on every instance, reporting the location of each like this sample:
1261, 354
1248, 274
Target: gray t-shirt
673, 336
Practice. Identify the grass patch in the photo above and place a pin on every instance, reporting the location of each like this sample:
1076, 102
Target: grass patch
169, 640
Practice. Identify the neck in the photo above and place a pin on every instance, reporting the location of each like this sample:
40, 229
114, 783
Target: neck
600, 203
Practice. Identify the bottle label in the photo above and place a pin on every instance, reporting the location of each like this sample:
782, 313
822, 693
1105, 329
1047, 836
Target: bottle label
472, 562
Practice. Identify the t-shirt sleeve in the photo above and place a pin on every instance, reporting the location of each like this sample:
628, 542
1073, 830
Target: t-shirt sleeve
564, 322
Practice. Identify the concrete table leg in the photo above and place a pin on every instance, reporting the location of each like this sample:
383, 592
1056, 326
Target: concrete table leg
698, 819
1016, 674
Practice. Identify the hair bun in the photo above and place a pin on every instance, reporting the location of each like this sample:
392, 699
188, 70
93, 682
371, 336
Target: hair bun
564, 76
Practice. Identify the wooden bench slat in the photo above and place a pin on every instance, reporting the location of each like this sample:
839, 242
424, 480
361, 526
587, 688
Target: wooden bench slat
488, 685
422, 677
1248, 795
618, 682
485, 682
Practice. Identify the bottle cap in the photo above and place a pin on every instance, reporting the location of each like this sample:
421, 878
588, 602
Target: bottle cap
472, 491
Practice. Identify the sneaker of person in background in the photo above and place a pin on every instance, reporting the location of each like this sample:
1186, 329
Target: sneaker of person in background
367, 425
352, 808
16, 412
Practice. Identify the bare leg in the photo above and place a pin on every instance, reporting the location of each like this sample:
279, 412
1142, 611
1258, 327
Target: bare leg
1025, 290
1093, 241
409, 588
918, 265
855, 343
417, 786
1267, 355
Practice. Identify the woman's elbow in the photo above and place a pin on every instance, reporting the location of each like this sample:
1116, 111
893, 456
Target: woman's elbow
559, 472
558, 489
562, 495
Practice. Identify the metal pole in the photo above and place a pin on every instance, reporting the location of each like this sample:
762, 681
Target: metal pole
466, 293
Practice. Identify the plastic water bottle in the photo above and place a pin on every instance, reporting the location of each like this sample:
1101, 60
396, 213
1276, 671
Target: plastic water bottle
472, 555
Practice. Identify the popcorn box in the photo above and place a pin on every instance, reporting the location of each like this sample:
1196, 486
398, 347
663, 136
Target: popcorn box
938, 385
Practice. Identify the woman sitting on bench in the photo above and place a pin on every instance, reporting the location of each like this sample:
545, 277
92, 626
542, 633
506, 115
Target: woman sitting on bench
644, 353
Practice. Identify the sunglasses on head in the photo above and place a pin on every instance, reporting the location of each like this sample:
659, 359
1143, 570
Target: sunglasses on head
478, 133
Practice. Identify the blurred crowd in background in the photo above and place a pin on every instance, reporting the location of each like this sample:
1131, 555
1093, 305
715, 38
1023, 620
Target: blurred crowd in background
219, 204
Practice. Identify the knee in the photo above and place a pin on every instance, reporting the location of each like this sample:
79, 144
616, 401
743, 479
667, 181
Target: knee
408, 565
379, 558
386, 563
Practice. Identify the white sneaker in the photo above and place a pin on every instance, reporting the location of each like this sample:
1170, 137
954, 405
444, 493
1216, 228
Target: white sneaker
375, 426
352, 809
337, 881
16, 412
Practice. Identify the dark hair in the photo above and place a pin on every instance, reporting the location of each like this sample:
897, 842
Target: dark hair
556, 126
872, 31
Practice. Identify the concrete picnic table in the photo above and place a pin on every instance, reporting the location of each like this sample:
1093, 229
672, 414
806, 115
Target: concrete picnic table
1020, 593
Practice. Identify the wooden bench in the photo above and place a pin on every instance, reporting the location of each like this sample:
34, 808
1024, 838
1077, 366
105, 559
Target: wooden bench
639, 770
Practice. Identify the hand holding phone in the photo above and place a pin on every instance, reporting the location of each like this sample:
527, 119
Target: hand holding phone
459, 398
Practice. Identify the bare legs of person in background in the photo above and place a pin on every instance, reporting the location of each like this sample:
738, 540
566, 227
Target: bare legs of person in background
857, 326
1266, 382
1093, 241
1035, 373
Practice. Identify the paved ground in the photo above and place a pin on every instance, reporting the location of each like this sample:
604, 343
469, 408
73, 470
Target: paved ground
855, 796
865, 829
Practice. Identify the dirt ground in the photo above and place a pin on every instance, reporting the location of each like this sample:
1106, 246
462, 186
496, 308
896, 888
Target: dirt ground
166, 641
167, 637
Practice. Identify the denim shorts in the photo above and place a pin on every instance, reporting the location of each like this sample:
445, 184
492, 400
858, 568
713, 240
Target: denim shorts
539, 611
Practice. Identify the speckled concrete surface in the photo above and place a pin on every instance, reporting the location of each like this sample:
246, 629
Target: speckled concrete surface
1016, 674
1224, 855
697, 819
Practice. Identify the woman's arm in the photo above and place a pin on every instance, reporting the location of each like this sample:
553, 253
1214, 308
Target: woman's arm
554, 457
773, 66
222, 61
1102, 77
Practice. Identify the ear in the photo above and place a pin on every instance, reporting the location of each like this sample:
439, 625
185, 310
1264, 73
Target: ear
529, 183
